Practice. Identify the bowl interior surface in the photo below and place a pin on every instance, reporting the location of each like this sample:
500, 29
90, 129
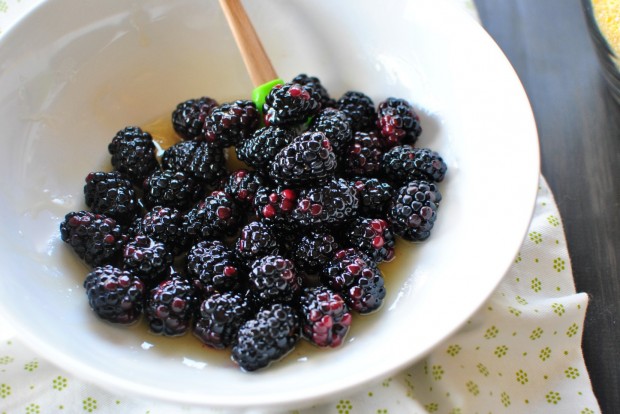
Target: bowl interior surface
74, 72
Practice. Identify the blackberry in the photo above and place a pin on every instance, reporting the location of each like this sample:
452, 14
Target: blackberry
361, 110
200, 160
307, 160
166, 225
330, 205
96, 238
406, 163
231, 123
363, 155
256, 240
242, 186
314, 250
273, 279
353, 275
268, 337
414, 210
336, 125
133, 154
291, 103
169, 188
111, 194
147, 258
325, 317
213, 267
398, 122
373, 237
275, 205
215, 216
115, 295
375, 196
220, 317
170, 306
259, 150
315, 83
189, 116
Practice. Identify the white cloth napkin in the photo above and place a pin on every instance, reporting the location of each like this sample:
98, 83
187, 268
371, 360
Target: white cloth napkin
521, 352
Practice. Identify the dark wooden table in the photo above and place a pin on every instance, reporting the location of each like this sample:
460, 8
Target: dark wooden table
578, 121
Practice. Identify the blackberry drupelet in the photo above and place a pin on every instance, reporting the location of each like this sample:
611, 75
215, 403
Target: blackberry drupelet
336, 125
242, 186
406, 163
231, 123
220, 317
330, 205
169, 188
96, 238
273, 279
414, 210
363, 155
314, 250
256, 240
213, 267
215, 216
353, 275
189, 116
266, 338
170, 306
361, 110
375, 196
315, 83
259, 150
109, 193
200, 160
275, 205
397, 122
373, 237
115, 295
325, 317
291, 103
133, 154
166, 225
147, 258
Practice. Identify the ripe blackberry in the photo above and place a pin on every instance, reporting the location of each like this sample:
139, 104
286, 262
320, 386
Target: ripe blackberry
133, 154
353, 275
361, 110
189, 116
115, 295
275, 205
147, 258
201, 160
266, 338
169, 188
330, 205
375, 196
231, 123
406, 163
325, 317
363, 155
215, 216
373, 237
336, 125
313, 251
307, 160
111, 194
242, 186
259, 150
166, 225
213, 267
414, 210
315, 83
220, 317
291, 103
256, 240
96, 238
170, 306
397, 122
273, 279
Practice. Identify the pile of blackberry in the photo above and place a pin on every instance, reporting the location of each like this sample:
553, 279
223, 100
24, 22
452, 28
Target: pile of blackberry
255, 259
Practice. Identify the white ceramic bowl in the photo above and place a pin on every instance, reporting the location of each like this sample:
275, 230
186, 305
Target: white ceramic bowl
74, 72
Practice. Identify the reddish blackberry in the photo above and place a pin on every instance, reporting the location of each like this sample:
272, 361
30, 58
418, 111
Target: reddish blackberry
147, 258
398, 122
166, 225
375, 196
220, 317
307, 160
242, 186
291, 103
259, 150
330, 205
315, 83
336, 125
414, 210
213, 267
256, 240
266, 338
96, 238
169, 188
111, 194
170, 306
231, 123
314, 250
353, 275
361, 110
325, 317
198, 159
373, 237
133, 153
406, 163
115, 295
215, 216
275, 205
273, 279
363, 155
189, 116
